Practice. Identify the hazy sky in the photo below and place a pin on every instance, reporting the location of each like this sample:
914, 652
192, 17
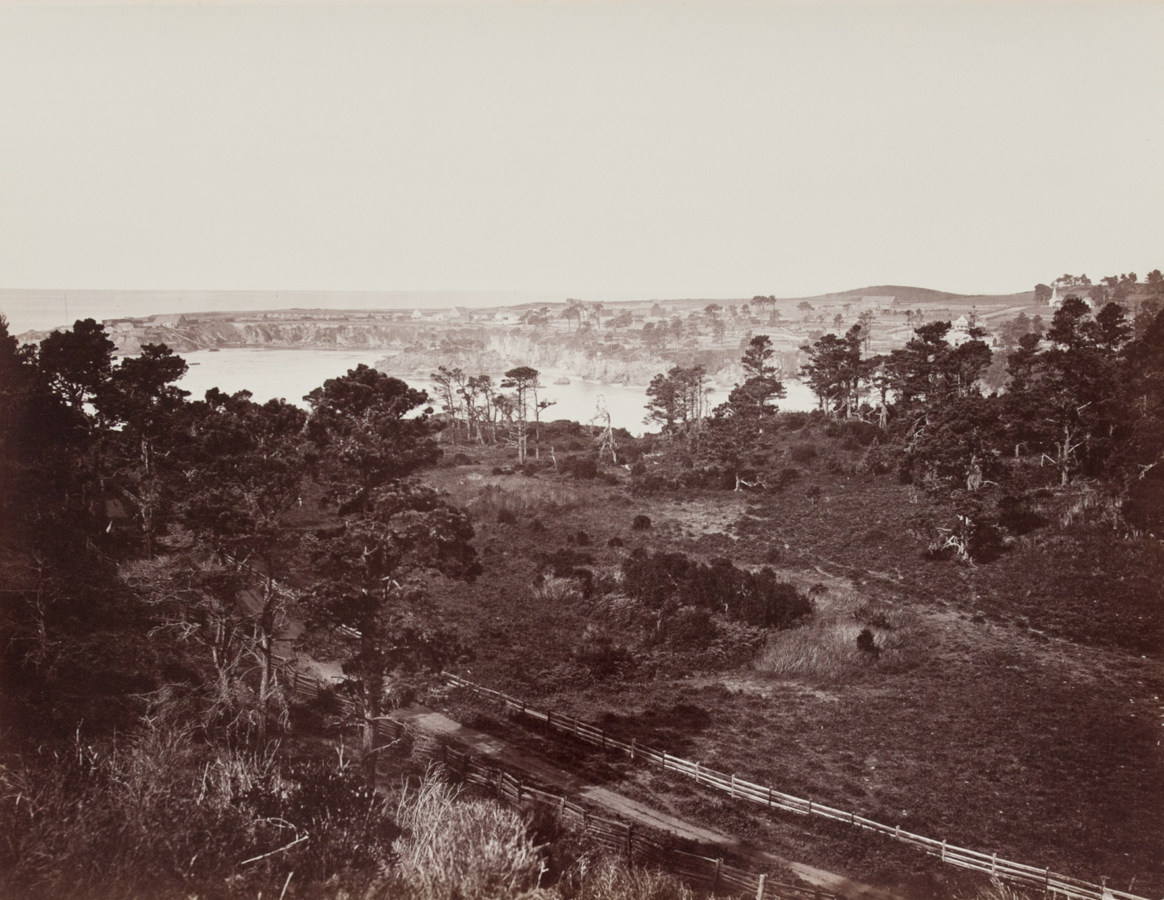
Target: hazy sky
665, 149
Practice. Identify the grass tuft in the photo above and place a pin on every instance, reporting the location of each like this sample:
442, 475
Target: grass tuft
827, 650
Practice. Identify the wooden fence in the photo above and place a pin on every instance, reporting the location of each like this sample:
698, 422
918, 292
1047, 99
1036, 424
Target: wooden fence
633, 843
1050, 883
636, 844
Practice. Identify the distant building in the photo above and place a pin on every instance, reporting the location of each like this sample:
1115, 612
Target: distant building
168, 319
960, 331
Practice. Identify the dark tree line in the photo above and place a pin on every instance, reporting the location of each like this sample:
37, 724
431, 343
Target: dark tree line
1082, 398
203, 534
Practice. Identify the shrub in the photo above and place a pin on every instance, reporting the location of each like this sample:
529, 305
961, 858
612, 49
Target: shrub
599, 653
584, 467
690, 626
866, 643
641, 523
1016, 515
757, 598
564, 561
794, 421
879, 459
156, 813
783, 479
802, 453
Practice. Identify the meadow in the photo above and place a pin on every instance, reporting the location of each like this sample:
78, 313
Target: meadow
1010, 707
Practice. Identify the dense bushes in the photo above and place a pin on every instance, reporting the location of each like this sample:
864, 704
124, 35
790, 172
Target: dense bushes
757, 598
157, 813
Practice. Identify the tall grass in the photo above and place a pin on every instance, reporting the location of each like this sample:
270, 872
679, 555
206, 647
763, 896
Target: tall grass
151, 814
518, 501
598, 877
825, 650
159, 813
997, 890
454, 848
553, 589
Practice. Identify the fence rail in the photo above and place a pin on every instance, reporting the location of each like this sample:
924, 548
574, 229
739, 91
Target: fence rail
621, 837
634, 844
1051, 883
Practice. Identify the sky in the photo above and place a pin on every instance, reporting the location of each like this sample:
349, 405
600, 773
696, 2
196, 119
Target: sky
595, 150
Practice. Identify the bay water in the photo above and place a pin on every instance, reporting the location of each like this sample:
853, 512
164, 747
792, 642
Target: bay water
291, 374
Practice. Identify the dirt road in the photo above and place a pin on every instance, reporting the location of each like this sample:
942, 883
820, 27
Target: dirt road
559, 779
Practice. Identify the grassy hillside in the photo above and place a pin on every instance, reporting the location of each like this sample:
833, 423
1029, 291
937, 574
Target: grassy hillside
1011, 706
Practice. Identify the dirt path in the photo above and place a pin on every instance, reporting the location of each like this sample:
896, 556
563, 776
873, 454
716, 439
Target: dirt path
552, 776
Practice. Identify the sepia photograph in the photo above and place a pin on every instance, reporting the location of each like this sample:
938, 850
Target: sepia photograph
582, 450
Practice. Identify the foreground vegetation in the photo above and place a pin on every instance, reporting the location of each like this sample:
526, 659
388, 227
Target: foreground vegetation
942, 610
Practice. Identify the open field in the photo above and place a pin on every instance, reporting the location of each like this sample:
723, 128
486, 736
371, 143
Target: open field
1013, 707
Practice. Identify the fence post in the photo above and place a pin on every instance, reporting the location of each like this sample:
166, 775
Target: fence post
715, 882
733, 785
994, 864
629, 845
1046, 882
550, 720
519, 787
697, 771
943, 849
634, 743
769, 795
760, 887
664, 759
810, 807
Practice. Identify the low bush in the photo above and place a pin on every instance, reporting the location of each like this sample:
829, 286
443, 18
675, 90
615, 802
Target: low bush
563, 561
599, 653
1017, 515
802, 452
641, 523
757, 598
782, 479
793, 421
1144, 507
157, 813
520, 501
581, 467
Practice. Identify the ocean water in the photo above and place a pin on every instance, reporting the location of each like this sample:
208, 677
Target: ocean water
291, 374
